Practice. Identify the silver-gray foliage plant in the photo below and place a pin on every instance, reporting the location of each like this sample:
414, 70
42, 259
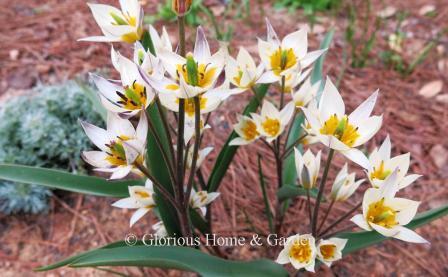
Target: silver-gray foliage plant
41, 129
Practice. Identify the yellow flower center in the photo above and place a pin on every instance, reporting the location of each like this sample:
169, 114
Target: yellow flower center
282, 59
134, 97
328, 251
341, 129
237, 78
189, 105
301, 251
271, 126
382, 215
142, 194
380, 173
116, 154
205, 75
249, 130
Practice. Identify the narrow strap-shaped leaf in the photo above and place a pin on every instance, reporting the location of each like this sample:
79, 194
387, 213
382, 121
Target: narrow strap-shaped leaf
227, 153
360, 240
292, 191
58, 179
75, 257
177, 257
267, 206
316, 75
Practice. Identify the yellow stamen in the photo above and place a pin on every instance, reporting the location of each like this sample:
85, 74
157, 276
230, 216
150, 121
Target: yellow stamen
206, 74
189, 105
282, 59
271, 126
134, 97
382, 215
380, 173
142, 194
328, 251
301, 251
341, 129
249, 130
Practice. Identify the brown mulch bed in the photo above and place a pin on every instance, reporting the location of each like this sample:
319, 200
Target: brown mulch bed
39, 46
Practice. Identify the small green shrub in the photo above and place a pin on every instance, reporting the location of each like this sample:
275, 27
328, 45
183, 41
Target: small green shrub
41, 129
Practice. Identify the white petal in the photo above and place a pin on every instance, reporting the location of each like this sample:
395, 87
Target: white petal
137, 215
357, 156
385, 149
142, 128
95, 158
271, 34
120, 172
331, 101
283, 257
98, 136
119, 127
364, 110
367, 129
201, 48
267, 78
127, 203
392, 232
409, 179
297, 41
408, 235
311, 57
361, 222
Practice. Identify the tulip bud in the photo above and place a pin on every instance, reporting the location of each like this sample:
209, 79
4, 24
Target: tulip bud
181, 7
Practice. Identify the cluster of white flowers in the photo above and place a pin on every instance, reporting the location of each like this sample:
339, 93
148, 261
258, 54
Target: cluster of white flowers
302, 251
164, 75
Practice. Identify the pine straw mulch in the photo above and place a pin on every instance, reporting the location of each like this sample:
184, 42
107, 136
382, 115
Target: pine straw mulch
39, 45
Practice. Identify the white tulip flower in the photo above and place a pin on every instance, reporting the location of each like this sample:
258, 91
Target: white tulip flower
387, 214
159, 230
382, 165
305, 94
130, 96
205, 70
247, 130
330, 250
244, 73
118, 25
200, 200
121, 145
202, 154
344, 185
341, 132
307, 167
140, 198
289, 55
271, 122
300, 251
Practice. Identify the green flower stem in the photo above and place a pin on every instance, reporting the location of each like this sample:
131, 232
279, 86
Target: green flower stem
159, 186
183, 213
291, 147
326, 215
265, 196
197, 141
339, 220
321, 192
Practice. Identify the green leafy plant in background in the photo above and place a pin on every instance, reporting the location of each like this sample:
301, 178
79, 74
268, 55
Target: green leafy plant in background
310, 7
394, 57
41, 129
359, 34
